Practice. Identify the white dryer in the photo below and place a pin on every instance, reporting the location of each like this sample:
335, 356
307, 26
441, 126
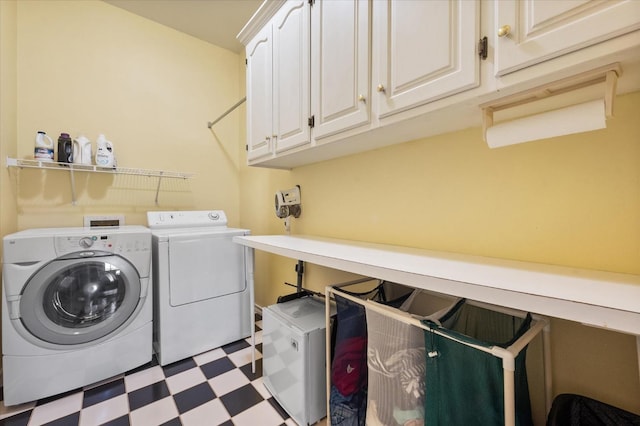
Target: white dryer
77, 308
203, 299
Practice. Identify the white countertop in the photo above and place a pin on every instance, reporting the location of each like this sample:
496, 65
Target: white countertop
601, 299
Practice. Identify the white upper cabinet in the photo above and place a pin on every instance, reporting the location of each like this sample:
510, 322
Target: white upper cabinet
328, 78
532, 31
340, 84
259, 95
423, 51
291, 75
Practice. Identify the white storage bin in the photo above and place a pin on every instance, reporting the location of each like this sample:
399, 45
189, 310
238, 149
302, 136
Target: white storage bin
293, 350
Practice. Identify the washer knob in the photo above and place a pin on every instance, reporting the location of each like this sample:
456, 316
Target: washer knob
86, 242
214, 216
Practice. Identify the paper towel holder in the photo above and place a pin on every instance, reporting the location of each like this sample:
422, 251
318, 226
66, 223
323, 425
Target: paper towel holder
608, 74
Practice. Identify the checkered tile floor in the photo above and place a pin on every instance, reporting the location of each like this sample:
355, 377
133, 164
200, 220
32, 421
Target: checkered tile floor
213, 388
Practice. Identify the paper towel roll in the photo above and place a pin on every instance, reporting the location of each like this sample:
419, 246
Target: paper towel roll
564, 121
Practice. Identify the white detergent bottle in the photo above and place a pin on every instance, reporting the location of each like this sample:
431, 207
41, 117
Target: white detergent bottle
43, 150
104, 152
82, 150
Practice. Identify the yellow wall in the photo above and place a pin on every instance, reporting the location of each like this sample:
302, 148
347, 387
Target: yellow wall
86, 67
572, 201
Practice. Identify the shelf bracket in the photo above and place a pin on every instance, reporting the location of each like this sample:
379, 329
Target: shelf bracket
158, 187
74, 201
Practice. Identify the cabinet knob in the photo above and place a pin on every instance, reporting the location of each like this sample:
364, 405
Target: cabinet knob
267, 138
380, 88
504, 30
361, 98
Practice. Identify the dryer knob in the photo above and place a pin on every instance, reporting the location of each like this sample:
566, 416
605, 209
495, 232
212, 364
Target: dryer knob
86, 242
214, 216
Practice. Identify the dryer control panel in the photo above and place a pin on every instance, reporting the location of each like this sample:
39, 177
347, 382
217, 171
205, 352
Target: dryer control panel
186, 219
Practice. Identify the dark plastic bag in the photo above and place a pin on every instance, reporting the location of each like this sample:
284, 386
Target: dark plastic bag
577, 410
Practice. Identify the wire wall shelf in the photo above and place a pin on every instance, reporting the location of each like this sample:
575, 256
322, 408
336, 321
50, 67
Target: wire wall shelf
71, 168
51, 165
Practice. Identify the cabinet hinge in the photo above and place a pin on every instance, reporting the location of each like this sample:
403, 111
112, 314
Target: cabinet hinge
246, 148
483, 48
312, 121
246, 61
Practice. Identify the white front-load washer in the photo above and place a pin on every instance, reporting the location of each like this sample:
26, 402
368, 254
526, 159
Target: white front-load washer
202, 297
76, 308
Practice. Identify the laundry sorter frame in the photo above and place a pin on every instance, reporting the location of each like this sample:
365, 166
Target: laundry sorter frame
508, 354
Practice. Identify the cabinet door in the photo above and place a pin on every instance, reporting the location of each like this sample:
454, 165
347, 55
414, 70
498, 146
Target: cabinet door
339, 65
424, 50
259, 95
291, 75
542, 29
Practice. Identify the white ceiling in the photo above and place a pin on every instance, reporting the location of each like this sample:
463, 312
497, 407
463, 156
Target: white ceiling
215, 21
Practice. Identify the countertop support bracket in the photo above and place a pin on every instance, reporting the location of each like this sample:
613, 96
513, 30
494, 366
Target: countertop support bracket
299, 272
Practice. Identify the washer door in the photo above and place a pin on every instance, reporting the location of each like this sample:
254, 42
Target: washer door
80, 298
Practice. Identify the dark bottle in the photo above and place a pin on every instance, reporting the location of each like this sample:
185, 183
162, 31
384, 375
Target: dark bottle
65, 148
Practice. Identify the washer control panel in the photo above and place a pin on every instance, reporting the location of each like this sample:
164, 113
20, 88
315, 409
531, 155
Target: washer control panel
112, 243
186, 219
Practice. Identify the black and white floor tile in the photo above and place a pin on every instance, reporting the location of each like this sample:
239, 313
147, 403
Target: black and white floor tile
213, 388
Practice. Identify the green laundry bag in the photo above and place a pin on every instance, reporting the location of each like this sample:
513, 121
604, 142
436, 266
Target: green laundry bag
464, 385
